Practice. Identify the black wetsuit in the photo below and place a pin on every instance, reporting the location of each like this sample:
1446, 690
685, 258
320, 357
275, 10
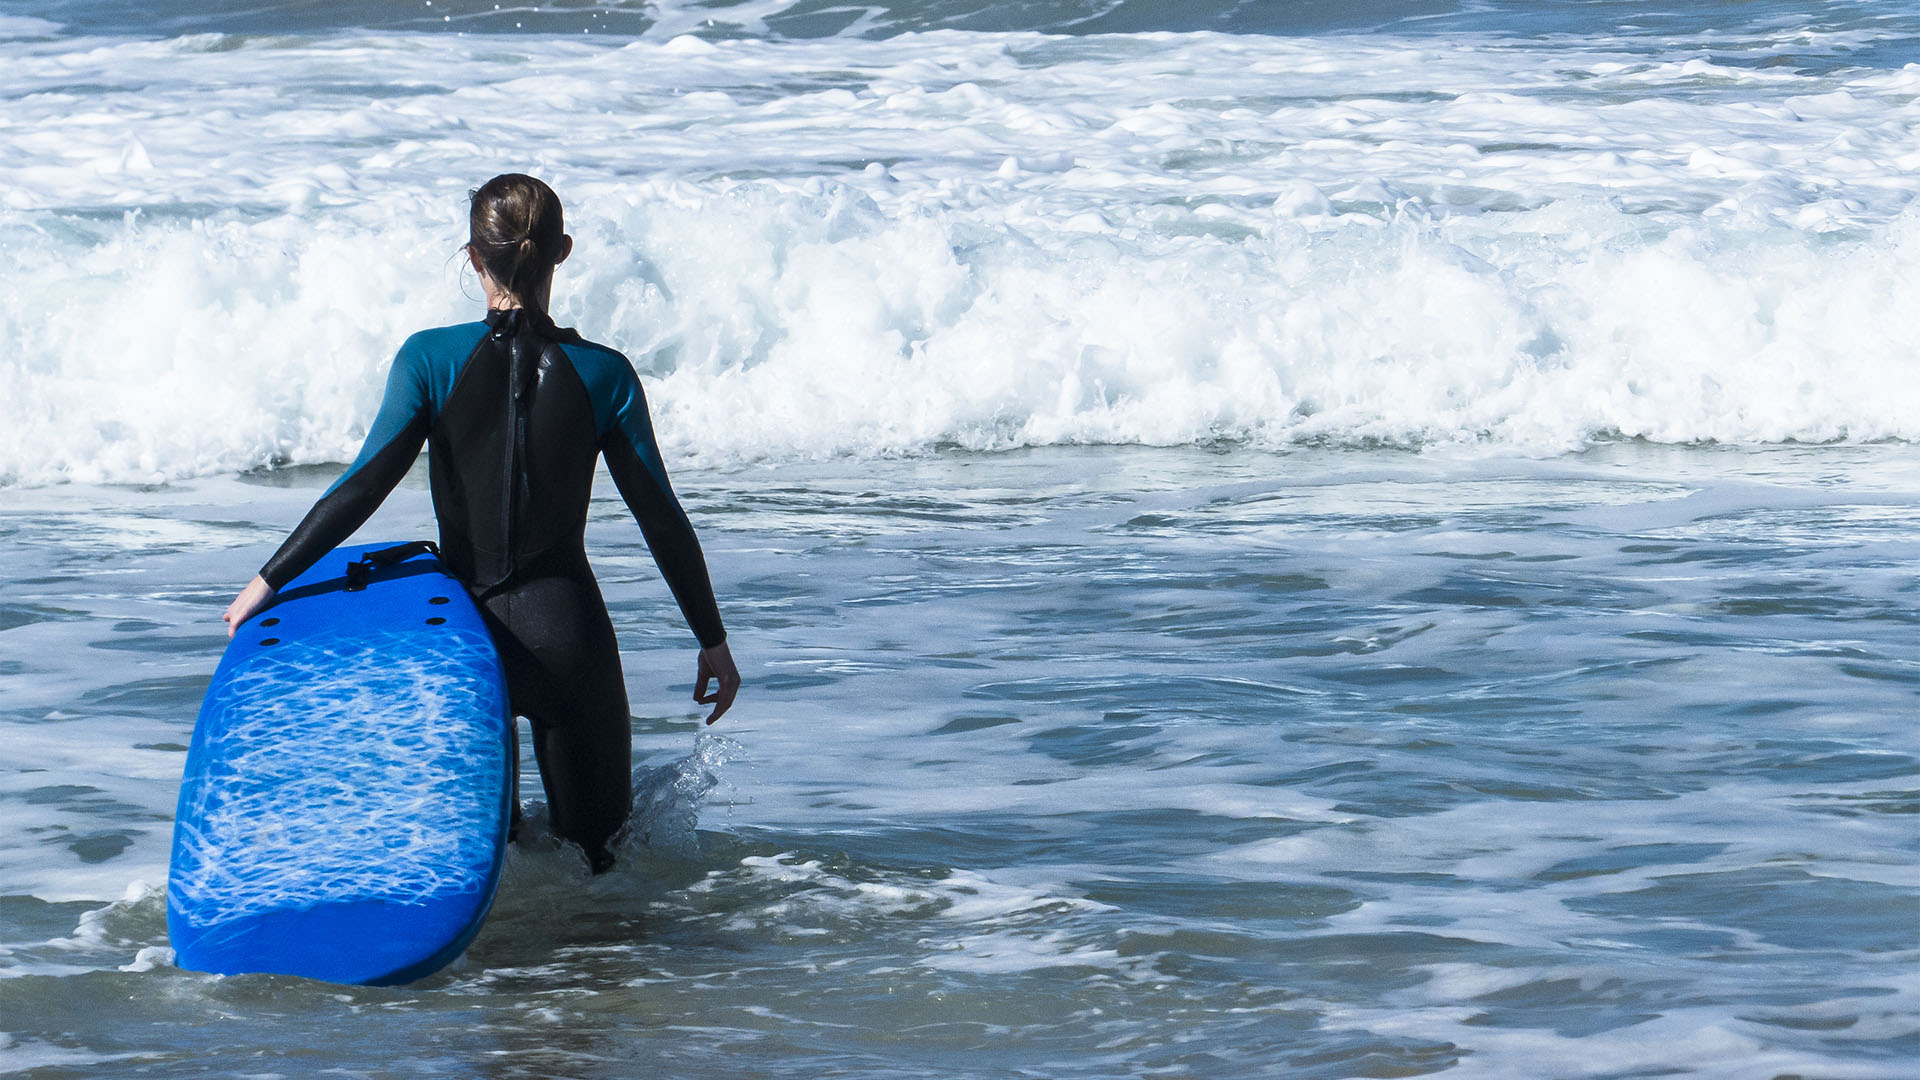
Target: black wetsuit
516, 411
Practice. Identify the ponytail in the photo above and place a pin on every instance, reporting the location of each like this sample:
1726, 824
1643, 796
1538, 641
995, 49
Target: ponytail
517, 233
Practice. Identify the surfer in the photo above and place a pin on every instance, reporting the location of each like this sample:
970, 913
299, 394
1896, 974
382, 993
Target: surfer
516, 411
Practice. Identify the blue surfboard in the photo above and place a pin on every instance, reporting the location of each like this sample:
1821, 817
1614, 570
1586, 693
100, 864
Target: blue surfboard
344, 810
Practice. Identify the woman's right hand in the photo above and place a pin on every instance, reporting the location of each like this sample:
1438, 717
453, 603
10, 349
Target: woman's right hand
255, 596
715, 663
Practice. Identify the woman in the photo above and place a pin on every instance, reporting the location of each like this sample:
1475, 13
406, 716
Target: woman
516, 411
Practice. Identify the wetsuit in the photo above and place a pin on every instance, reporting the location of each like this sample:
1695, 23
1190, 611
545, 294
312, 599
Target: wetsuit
516, 411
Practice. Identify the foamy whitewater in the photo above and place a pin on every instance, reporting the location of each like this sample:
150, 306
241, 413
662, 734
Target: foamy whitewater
1280, 539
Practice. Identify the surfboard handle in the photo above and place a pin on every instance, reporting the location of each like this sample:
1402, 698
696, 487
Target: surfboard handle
360, 571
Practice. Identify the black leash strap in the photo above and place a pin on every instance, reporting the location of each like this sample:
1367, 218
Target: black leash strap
361, 570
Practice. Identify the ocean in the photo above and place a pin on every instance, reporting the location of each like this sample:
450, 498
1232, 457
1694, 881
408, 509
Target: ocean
1287, 539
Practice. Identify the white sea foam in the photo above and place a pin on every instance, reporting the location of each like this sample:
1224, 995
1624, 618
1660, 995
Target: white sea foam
26, 26
965, 921
853, 248
34, 1054
1709, 1040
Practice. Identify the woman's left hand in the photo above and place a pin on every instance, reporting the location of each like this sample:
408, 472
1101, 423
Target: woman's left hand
255, 596
716, 664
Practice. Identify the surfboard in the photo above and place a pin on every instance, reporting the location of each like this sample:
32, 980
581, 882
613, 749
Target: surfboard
344, 809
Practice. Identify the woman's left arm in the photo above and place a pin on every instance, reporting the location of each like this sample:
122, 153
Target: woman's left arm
633, 458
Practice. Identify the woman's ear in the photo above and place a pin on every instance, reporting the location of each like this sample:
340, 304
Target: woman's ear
566, 248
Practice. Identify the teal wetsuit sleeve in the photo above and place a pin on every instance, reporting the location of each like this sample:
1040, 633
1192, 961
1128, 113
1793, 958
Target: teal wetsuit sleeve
633, 457
392, 444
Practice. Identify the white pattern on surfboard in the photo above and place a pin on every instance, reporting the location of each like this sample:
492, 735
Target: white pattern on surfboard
348, 788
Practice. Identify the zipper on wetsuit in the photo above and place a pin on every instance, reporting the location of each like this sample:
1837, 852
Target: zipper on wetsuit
518, 385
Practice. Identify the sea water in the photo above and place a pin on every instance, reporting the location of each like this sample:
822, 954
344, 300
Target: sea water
1279, 539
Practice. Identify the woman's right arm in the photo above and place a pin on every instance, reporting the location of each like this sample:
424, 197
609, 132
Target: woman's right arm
255, 596
392, 444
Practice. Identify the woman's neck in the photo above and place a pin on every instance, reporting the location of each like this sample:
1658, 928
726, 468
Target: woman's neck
499, 299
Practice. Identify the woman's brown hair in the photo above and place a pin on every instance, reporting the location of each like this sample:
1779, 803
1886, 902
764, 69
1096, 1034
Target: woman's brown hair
516, 231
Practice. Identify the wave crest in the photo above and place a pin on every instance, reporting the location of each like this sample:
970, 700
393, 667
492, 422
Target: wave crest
778, 320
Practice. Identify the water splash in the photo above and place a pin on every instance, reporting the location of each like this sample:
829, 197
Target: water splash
667, 799
663, 820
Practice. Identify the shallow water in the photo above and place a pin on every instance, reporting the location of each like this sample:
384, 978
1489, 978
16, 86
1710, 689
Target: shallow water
1092, 762
1284, 539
